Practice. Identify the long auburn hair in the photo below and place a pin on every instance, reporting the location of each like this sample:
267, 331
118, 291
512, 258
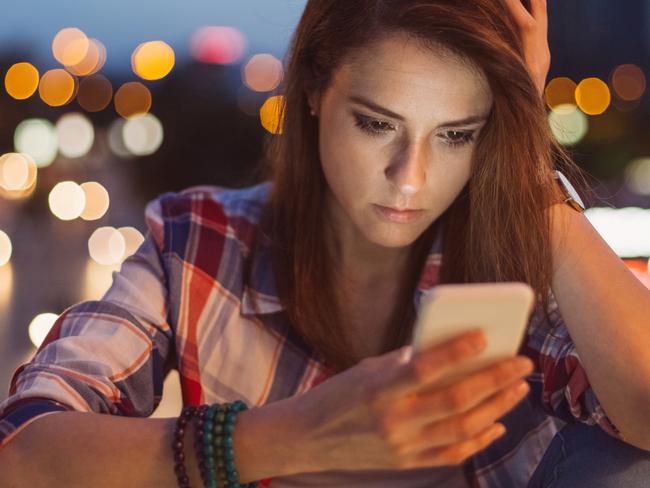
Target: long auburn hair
496, 230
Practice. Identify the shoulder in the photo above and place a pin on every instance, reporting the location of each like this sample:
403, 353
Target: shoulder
206, 212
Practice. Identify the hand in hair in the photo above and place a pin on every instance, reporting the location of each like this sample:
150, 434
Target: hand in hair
533, 27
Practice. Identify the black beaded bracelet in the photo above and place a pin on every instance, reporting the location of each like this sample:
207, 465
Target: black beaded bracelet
177, 446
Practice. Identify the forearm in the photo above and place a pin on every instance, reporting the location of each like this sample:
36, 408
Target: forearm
607, 312
75, 449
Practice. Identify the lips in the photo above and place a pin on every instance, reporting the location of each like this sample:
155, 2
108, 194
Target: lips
396, 215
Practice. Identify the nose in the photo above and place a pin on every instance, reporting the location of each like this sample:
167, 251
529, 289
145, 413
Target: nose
407, 170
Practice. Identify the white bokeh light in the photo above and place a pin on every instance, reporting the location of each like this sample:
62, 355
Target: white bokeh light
133, 238
76, 135
67, 200
5, 248
107, 246
40, 326
142, 135
568, 124
38, 138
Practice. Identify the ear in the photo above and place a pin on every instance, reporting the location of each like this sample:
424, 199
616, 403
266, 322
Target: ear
313, 100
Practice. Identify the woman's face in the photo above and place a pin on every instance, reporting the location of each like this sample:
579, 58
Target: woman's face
397, 129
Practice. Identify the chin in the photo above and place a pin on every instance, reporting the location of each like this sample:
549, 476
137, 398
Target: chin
392, 237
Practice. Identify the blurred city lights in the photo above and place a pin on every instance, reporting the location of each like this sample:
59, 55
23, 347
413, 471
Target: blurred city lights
152, 60
568, 124
263, 73
116, 139
38, 138
271, 114
218, 45
70, 46
142, 135
21, 81
5, 248
95, 93
17, 174
133, 238
560, 91
132, 99
637, 176
626, 230
40, 326
107, 246
76, 135
92, 62
57, 87
97, 201
593, 96
67, 200
628, 82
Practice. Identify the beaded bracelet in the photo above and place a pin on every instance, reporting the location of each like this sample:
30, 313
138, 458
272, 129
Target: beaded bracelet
224, 427
177, 447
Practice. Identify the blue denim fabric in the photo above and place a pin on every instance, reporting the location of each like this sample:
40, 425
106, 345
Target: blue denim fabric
582, 455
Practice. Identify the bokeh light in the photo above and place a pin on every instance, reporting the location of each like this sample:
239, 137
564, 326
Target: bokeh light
218, 45
67, 200
263, 73
6, 285
97, 201
106, 246
568, 124
116, 139
142, 135
95, 93
132, 99
70, 46
57, 87
628, 82
38, 138
21, 81
271, 114
5, 248
92, 62
40, 326
76, 135
133, 238
152, 60
560, 91
637, 176
593, 96
626, 230
17, 174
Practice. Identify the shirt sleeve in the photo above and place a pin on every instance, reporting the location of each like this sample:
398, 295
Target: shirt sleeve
105, 356
565, 391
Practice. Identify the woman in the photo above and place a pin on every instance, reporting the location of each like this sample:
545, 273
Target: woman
415, 151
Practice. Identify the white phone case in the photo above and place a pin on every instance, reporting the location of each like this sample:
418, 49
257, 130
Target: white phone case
502, 310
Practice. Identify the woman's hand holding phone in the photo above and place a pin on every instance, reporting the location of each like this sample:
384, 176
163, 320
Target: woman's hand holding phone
389, 412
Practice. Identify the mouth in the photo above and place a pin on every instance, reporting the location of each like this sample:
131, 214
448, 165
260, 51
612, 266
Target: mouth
402, 216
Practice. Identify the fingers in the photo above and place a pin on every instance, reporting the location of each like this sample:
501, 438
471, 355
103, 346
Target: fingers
519, 12
469, 392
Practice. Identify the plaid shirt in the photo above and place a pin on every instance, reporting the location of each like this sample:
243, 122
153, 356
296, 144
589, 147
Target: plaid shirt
182, 301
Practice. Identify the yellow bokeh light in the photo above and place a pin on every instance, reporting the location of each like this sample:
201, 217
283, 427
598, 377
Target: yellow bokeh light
560, 91
593, 96
67, 200
97, 201
70, 46
5, 248
132, 99
263, 73
271, 114
21, 81
107, 246
92, 62
40, 326
57, 87
95, 93
152, 60
629, 82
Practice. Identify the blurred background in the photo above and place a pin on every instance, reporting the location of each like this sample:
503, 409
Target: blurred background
105, 105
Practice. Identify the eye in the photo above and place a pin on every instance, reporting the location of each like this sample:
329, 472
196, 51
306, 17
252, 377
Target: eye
455, 138
372, 126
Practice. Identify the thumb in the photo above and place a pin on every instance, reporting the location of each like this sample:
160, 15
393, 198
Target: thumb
405, 354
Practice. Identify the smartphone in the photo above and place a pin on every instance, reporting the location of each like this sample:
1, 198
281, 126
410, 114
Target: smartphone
501, 310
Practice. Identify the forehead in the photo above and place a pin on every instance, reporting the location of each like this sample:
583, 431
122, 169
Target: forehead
404, 73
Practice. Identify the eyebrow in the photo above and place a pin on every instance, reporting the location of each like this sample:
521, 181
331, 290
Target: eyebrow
389, 113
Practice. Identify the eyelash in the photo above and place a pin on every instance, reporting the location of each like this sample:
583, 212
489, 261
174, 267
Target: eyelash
365, 124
